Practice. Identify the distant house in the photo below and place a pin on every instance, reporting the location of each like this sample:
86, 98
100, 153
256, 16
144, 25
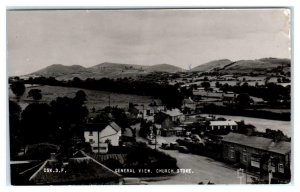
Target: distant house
189, 103
82, 170
175, 115
228, 98
100, 134
163, 121
258, 153
222, 125
148, 112
178, 131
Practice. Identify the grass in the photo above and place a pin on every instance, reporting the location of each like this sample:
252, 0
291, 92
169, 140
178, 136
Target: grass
97, 99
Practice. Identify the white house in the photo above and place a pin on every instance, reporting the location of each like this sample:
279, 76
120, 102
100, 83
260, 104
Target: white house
221, 125
99, 135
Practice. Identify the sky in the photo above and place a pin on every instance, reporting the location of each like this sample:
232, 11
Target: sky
184, 38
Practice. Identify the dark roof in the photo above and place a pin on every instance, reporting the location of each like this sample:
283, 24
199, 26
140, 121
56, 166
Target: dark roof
100, 126
281, 147
116, 127
81, 170
95, 126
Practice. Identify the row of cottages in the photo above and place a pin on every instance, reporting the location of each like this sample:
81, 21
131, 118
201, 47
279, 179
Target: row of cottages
222, 125
258, 153
99, 135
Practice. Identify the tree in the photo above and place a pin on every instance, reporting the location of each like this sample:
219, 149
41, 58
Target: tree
15, 132
37, 123
80, 96
243, 100
35, 94
205, 84
18, 88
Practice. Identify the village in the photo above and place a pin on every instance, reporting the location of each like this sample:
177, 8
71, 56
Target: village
107, 145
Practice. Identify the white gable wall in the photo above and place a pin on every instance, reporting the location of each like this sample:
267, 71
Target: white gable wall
107, 133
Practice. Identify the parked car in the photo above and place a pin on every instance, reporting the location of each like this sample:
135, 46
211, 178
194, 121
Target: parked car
165, 146
196, 138
152, 142
173, 145
183, 149
132, 181
188, 139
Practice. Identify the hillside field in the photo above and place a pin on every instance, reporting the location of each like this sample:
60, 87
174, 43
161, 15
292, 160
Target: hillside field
97, 99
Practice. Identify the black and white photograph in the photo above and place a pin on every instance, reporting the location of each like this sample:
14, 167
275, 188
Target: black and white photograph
149, 96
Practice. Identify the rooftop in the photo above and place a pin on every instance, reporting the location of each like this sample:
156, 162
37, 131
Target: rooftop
173, 112
281, 147
79, 170
100, 126
222, 123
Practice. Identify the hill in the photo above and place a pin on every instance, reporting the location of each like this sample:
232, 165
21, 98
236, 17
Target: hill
263, 65
109, 70
164, 68
216, 64
258, 65
58, 70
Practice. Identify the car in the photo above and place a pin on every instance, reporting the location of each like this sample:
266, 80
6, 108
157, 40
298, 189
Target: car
152, 142
132, 181
183, 149
165, 146
173, 145
188, 139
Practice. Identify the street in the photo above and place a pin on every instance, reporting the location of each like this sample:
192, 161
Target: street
204, 169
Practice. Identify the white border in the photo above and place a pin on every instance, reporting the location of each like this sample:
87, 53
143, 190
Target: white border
4, 181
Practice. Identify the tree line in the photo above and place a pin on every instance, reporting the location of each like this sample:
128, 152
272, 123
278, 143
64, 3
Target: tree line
170, 95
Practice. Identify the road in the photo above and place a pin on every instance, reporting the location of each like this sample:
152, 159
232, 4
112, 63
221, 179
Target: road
204, 169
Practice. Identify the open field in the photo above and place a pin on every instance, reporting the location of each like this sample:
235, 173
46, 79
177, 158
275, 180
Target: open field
97, 99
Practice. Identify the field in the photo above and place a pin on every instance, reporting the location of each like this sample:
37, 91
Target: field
97, 99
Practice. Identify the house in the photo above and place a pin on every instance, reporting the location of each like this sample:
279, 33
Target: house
174, 114
189, 104
148, 112
128, 135
222, 125
100, 134
258, 153
228, 98
178, 131
163, 121
79, 170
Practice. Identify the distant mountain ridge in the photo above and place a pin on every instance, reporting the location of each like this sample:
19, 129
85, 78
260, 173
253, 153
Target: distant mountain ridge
244, 66
118, 70
106, 69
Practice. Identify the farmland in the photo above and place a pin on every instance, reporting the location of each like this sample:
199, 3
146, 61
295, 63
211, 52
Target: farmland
97, 99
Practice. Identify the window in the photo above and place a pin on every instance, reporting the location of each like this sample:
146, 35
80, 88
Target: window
91, 140
245, 158
280, 168
91, 133
255, 162
231, 153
